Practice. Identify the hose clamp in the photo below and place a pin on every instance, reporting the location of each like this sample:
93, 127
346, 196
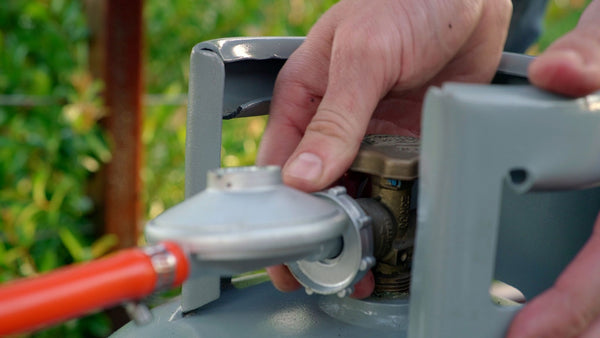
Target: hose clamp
165, 265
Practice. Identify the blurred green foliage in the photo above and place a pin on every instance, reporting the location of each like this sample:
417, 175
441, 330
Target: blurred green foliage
561, 17
172, 29
49, 154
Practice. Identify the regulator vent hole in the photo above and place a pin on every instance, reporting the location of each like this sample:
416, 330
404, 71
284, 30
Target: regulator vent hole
518, 176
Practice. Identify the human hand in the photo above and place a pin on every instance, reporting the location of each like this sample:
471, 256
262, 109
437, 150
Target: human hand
365, 67
571, 65
571, 307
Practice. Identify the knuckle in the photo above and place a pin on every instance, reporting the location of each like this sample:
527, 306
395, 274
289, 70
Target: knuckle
505, 8
575, 317
501, 10
282, 279
367, 39
334, 124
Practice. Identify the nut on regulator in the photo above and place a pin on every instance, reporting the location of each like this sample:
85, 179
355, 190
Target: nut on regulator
338, 274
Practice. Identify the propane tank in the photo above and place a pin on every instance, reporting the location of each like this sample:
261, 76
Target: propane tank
247, 219
476, 219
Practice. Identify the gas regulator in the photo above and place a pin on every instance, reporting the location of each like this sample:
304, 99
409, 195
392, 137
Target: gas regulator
328, 239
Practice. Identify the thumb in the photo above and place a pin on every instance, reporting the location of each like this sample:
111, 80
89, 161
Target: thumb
571, 65
332, 138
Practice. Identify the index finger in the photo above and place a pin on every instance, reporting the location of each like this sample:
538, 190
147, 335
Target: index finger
298, 90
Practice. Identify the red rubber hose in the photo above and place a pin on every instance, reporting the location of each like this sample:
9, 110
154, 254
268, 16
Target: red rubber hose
65, 293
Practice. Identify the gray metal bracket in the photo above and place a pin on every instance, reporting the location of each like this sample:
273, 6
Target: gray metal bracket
228, 78
483, 146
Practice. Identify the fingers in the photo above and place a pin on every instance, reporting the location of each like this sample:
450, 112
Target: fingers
282, 278
593, 331
295, 100
297, 93
364, 288
356, 83
572, 304
296, 96
357, 53
571, 65
371, 58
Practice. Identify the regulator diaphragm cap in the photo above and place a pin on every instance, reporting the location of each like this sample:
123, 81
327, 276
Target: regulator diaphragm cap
247, 219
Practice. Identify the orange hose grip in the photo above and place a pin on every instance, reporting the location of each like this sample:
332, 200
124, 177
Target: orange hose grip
72, 291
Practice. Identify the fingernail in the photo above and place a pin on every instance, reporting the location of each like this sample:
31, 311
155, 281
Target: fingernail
306, 166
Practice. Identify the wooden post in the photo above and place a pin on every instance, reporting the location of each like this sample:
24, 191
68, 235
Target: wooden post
116, 58
123, 90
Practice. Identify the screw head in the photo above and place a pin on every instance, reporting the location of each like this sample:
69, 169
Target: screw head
337, 191
366, 263
346, 292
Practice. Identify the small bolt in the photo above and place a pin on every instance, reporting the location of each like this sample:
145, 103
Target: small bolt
346, 292
138, 312
366, 263
337, 191
403, 257
364, 221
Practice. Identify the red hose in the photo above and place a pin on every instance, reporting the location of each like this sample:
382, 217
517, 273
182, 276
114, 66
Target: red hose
72, 291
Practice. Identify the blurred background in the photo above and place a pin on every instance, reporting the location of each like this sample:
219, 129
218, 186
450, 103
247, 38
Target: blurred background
56, 133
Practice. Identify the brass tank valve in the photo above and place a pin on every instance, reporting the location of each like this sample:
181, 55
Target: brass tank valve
391, 162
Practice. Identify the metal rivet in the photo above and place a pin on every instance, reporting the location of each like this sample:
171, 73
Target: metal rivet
346, 292
138, 312
364, 221
366, 263
336, 191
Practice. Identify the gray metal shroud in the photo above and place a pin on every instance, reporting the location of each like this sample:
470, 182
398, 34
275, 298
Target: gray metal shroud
490, 158
228, 77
